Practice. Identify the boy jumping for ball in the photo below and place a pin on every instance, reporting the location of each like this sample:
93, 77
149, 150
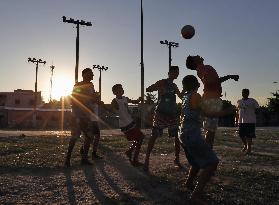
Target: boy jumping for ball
166, 113
127, 124
211, 99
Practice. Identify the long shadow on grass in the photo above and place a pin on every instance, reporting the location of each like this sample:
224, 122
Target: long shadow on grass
70, 188
153, 189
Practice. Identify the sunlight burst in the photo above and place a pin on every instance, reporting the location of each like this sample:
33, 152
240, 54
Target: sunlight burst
62, 86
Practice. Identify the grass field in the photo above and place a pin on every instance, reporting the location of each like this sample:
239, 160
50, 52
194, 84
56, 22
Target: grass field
31, 172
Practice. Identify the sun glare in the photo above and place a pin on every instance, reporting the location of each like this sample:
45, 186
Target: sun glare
62, 86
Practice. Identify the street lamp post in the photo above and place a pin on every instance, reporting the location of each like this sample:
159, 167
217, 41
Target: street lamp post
100, 68
170, 44
82, 23
37, 62
142, 113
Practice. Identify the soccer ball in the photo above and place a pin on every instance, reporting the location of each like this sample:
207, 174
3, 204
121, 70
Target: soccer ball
188, 32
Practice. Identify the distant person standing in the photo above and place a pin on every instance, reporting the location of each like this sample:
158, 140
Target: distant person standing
84, 118
166, 113
246, 120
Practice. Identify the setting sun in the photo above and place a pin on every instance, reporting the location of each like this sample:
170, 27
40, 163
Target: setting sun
62, 86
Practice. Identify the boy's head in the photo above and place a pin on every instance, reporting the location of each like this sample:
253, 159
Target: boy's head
193, 61
117, 90
190, 83
173, 72
87, 74
245, 93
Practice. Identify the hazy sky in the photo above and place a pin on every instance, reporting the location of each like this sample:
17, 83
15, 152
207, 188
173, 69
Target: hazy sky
235, 37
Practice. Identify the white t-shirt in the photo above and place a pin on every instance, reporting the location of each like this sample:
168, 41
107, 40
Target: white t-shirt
246, 110
123, 113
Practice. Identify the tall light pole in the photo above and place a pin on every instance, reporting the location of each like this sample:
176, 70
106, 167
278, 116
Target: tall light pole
100, 68
82, 23
170, 44
142, 116
51, 76
37, 62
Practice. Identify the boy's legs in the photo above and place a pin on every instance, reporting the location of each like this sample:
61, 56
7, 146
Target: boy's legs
95, 131
192, 175
75, 134
203, 179
135, 161
210, 125
209, 138
136, 136
71, 146
244, 141
249, 145
155, 133
242, 135
251, 133
130, 150
173, 132
85, 149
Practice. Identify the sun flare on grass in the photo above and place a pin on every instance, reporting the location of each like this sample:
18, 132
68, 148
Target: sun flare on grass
62, 86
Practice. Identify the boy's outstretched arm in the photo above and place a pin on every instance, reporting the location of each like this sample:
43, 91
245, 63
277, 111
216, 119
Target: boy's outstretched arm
227, 77
154, 87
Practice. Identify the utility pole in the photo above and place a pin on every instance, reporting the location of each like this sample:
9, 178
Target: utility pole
77, 23
170, 44
37, 62
100, 68
51, 76
142, 113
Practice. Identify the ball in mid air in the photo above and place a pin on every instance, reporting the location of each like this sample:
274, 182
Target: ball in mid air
188, 32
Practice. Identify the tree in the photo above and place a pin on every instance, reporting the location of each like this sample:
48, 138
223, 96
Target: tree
150, 98
273, 103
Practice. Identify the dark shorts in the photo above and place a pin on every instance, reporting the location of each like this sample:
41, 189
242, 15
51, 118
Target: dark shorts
247, 130
197, 151
132, 132
161, 121
84, 125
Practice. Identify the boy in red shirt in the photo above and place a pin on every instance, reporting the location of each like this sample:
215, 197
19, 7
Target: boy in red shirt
211, 99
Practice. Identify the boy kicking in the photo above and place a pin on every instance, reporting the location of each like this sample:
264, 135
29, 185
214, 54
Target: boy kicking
126, 123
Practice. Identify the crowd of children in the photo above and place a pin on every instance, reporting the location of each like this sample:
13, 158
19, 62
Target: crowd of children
198, 111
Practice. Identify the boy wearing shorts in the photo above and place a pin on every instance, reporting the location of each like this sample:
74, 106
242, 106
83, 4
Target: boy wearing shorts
127, 124
84, 118
212, 93
166, 113
246, 120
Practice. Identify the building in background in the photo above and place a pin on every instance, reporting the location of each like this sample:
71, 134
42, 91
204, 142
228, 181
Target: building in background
17, 109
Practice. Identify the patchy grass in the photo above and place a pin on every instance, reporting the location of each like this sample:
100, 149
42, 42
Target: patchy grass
240, 179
